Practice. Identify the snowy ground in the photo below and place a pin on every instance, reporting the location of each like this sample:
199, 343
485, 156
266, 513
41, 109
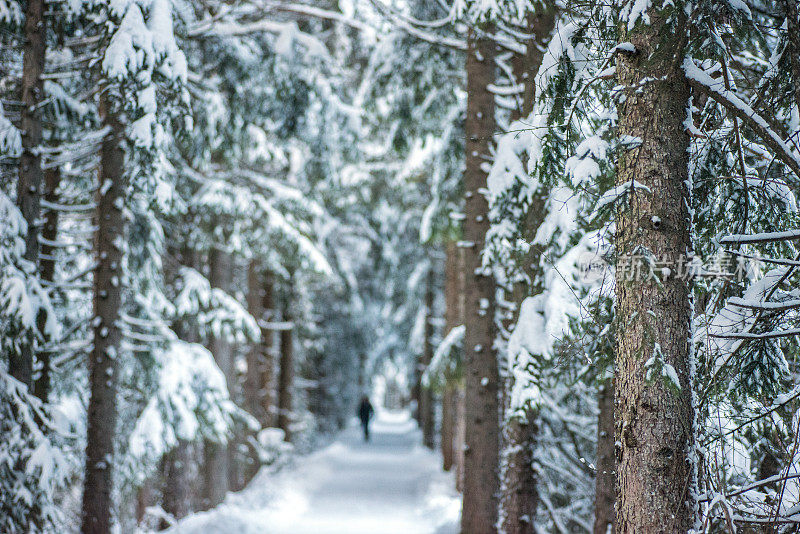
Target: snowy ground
390, 485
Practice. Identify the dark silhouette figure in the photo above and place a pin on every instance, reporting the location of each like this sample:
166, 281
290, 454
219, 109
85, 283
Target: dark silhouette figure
365, 412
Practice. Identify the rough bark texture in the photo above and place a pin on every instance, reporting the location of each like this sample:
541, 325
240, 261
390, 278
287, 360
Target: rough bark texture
20, 364
47, 271
217, 470
793, 19
519, 496
481, 372
427, 416
451, 320
286, 377
653, 420
102, 413
605, 482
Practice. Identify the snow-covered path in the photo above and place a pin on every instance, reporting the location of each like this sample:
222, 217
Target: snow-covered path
390, 485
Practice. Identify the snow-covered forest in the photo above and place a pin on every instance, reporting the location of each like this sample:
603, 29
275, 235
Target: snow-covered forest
555, 243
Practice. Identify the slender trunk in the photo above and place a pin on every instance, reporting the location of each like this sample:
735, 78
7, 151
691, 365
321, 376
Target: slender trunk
217, 471
177, 490
459, 439
20, 364
654, 416
286, 376
793, 22
482, 380
102, 413
519, 495
178, 473
426, 393
267, 383
448, 425
47, 271
252, 381
451, 320
605, 482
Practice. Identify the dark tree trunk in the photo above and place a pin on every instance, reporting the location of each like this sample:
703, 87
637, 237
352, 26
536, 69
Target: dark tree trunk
481, 480
459, 438
217, 468
286, 375
427, 413
252, 381
29, 185
177, 492
653, 419
519, 496
793, 22
102, 413
179, 469
605, 482
47, 271
451, 320
267, 382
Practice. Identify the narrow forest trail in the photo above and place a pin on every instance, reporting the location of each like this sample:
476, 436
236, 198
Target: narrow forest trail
389, 485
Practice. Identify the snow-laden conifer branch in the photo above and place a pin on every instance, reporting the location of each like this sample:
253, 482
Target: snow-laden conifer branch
715, 89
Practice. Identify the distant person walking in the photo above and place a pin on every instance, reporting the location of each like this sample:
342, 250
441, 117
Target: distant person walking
365, 412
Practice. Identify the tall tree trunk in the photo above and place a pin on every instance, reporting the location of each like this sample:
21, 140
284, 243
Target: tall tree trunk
20, 364
519, 496
605, 481
217, 471
482, 378
654, 419
460, 438
102, 413
255, 305
179, 470
286, 375
792, 12
267, 382
177, 490
451, 320
47, 271
427, 413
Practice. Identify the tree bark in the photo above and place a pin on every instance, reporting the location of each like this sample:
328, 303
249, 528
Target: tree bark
482, 376
102, 412
451, 320
793, 25
178, 484
519, 495
217, 471
654, 421
605, 464
47, 271
427, 414
29, 184
286, 376
267, 383
255, 305
459, 440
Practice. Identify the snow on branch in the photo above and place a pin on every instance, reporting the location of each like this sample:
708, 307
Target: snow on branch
701, 81
766, 237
